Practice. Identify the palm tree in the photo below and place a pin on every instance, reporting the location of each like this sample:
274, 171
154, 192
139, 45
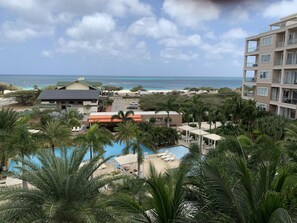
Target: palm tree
22, 143
235, 107
61, 191
55, 134
71, 117
8, 120
235, 192
249, 113
130, 134
186, 112
290, 142
212, 114
164, 201
95, 139
199, 111
167, 106
273, 126
124, 117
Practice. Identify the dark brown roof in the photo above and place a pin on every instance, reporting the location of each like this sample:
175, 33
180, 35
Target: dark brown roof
69, 95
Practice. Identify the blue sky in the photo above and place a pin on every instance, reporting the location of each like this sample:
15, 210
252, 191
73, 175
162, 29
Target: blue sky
131, 37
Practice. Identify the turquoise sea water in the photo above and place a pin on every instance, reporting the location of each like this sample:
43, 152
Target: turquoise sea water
127, 82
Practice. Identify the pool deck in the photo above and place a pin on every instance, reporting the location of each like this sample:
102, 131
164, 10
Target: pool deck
187, 144
160, 165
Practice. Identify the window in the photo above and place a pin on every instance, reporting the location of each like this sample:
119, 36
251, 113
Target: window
292, 38
264, 74
262, 91
290, 77
261, 106
265, 58
267, 41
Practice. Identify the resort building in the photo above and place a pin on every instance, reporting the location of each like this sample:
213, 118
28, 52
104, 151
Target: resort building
141, 116
270, 68
81, 95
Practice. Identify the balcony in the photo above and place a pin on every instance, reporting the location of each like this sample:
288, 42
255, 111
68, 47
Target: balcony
253, 49
248, 94
278, 62
280, 44
292, 41
274, 98
251, 64
251, 79
290, 101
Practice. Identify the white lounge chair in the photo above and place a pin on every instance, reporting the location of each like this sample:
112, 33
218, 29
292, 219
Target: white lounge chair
166, 156
78, 129
73, 129
162, 154
169, 159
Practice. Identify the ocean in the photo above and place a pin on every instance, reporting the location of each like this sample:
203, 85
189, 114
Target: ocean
127, 82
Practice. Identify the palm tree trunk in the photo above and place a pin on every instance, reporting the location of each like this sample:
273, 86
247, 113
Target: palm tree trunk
25, 183
91, 153
138, 169
53, 149
91, 157
168, 125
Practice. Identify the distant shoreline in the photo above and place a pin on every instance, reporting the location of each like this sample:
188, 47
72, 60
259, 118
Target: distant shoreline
160, 83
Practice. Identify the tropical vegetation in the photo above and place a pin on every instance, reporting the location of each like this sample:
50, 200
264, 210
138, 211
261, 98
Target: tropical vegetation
250, 177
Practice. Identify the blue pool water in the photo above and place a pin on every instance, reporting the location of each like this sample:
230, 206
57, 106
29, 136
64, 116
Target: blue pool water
113, 150
178, 151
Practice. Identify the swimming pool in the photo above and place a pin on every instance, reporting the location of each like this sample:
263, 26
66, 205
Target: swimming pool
178, 151
114, 150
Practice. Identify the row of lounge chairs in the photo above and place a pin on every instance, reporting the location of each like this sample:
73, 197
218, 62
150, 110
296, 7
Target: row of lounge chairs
189, 138
166, 156
76, 129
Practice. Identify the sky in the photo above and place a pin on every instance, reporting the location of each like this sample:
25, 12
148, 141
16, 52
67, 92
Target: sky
132, 37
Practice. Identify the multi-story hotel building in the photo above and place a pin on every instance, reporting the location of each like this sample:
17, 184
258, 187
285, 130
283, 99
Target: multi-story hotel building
270, 68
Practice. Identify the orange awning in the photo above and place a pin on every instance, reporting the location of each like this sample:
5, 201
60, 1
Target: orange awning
107, 118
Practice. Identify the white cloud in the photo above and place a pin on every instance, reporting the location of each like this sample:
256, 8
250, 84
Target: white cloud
116, 45
280, 9
222, 48
150, 26
182, 41
123, 8
235, 33
177, 54
93, 26
20, 32
190, 13
47, 53
239, 14
209, 35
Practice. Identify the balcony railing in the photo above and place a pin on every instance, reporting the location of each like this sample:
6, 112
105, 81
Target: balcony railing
278, 62
251, 79
251, 64
248, 94
276, 81
290, 101
274, 98
290, 82
280, 44
253, 49
292, 41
